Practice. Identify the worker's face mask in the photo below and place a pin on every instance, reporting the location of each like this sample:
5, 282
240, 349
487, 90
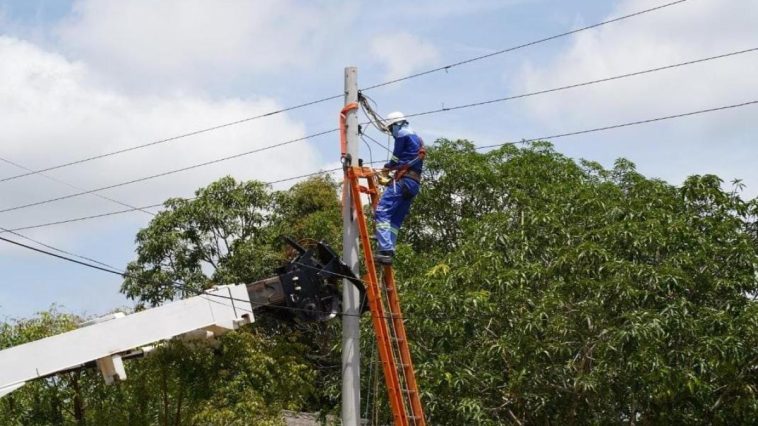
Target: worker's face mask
395, 130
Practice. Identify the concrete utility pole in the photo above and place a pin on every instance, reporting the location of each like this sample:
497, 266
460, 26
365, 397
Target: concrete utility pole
351, 332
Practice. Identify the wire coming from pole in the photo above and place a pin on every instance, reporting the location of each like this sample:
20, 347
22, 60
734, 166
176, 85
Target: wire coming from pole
79, 219
117, 212
333, 97
435, 111
88, 259
523, 141
582, 84
521, 46
170, 172
173, 138
620, 125
177, 285
78, 188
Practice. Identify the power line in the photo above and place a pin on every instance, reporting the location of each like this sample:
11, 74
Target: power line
586, 83
173, 138
521, 46
177, 285
78, 219
70, 185
328, 98
435, 111
410, 115
55, 248
376, 142
557, 89
617, 126
170, 172
124, 274
68, 259
82, 218
556, 136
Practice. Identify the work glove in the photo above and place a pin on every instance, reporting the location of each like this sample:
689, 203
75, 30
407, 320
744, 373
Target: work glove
384, 177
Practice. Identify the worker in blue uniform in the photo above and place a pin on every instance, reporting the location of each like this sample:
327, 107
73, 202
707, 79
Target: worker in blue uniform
407, 162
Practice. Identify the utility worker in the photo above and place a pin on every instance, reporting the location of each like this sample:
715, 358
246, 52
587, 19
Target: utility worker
407, 162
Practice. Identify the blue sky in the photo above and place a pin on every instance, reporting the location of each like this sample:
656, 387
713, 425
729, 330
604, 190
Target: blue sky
80, 78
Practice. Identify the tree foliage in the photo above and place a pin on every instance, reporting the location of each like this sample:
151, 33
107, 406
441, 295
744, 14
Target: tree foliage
243, 377
228, 233
537, 289
562, 291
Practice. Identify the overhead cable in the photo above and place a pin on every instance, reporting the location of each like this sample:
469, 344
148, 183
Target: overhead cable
173, 138
66, 258
89, 259
70, 185
328, 98
586, 83
618, 126
170, 172
435, 111
79, 219
177, 285
521, 46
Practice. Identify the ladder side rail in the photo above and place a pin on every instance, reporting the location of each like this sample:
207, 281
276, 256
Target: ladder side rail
397, 349
404, 346
378, 316
397, 326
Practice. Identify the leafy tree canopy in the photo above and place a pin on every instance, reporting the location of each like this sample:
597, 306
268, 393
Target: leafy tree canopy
559, 290
228, 233
537, 289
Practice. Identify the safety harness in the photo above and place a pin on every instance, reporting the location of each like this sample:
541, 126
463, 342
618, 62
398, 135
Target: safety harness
378, 122
405, 169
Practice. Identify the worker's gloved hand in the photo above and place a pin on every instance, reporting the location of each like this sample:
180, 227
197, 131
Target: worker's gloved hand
384, 177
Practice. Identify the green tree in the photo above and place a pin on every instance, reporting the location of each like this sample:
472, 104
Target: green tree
217, 237
560, 291
46, 401
230, 233
242, 377
537, 289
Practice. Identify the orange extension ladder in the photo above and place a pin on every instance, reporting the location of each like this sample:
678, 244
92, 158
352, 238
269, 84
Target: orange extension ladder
386, 317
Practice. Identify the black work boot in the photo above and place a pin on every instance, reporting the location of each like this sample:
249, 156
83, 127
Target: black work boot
384, 257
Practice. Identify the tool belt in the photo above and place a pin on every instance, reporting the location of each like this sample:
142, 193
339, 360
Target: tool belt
411, 174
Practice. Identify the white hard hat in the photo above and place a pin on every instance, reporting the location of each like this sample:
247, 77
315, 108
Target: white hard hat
394, 117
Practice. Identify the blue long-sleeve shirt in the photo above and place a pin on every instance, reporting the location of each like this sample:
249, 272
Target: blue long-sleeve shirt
407, 146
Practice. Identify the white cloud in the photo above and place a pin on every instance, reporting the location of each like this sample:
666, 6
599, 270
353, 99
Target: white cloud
438, 9
54, 112
680, 33
403, 53
182, 41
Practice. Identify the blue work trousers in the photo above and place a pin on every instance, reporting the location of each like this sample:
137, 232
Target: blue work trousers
392, 210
